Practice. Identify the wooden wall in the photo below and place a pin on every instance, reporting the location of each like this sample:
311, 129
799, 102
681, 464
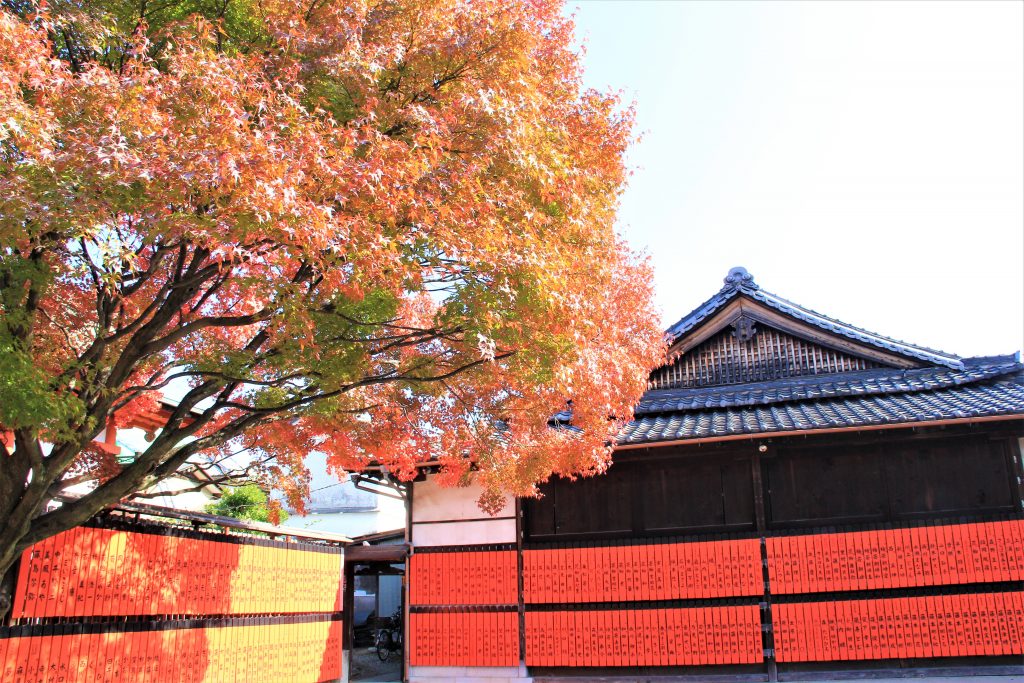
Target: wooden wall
892, 550
854, 533
806, 483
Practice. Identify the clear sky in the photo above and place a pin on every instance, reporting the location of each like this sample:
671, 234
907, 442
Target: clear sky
864, 159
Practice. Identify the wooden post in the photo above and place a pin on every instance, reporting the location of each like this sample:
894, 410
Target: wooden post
406, 589
521, 606
348, 630
1016, 452
768, 636
755, 471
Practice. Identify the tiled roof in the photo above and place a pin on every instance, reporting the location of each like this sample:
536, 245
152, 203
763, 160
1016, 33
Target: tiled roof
739, 281
858, 383
855, 399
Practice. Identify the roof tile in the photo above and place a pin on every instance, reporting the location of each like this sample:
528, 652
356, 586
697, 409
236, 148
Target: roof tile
987, 399
857, 383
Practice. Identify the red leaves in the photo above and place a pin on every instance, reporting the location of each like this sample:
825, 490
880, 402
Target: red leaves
98, 462
383, 232
274, 512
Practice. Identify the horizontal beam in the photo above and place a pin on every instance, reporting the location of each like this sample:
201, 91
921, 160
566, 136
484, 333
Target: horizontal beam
376, 553
230, 522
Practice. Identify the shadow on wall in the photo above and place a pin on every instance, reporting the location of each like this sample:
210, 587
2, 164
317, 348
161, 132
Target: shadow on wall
156, 603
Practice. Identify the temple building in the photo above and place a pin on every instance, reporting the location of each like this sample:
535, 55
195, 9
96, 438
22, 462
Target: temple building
794, 498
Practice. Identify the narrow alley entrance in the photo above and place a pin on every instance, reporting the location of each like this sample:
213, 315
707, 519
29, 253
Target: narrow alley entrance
374, 594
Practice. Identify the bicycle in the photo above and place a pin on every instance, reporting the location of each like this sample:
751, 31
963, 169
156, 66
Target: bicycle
388, 639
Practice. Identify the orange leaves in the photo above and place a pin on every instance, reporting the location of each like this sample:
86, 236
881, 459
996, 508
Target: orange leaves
28, 79
274, 512
383, 231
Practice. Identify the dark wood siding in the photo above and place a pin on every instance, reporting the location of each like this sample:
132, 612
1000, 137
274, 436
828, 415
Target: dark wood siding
592, 506
653, 497
960, 476
821, 486
804, 485
887, 482
710, 493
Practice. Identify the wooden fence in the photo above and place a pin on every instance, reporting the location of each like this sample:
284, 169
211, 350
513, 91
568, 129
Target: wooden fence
129, 601
913, 592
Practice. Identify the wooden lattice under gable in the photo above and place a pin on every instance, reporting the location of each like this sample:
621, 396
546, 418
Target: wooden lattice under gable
735, 356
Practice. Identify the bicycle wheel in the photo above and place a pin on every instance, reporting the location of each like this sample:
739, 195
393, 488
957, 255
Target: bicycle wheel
383, 645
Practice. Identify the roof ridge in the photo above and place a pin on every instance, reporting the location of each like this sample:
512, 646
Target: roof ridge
694, 316
740, 281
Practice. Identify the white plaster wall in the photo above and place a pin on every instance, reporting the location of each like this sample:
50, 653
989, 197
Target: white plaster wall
432, 502
477, 532
451, 516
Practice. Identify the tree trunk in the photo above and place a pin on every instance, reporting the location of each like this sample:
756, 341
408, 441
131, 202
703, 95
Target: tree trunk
7, 593
12, 543
14, 475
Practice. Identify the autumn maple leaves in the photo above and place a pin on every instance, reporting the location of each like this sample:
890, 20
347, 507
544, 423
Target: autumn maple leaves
382, 231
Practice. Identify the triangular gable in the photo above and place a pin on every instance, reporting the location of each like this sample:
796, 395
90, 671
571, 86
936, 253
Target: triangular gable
749, 351
746, 334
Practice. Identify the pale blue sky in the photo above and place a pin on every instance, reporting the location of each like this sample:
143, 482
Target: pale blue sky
865, 159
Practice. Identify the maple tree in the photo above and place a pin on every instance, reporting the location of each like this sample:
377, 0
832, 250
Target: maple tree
382, 230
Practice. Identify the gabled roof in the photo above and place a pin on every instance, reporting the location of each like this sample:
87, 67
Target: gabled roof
739, 283
907, 386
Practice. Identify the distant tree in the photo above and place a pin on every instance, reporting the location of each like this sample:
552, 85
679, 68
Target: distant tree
248, 502
381, 229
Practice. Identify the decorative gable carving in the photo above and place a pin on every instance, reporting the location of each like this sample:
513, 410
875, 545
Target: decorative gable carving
744, 328
750, 351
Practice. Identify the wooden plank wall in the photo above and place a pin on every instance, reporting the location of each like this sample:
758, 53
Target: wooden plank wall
146, 602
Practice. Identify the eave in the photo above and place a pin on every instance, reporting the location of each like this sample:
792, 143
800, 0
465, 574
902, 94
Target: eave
763, 436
